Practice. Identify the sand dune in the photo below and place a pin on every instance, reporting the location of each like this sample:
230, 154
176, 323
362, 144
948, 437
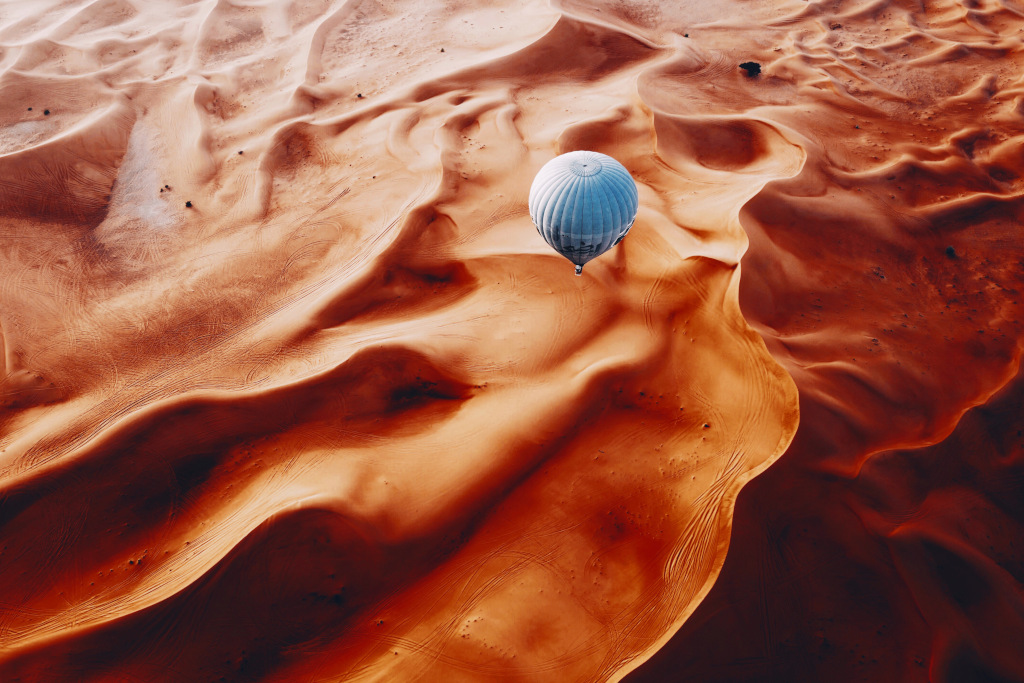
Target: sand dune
294, 390
886, 278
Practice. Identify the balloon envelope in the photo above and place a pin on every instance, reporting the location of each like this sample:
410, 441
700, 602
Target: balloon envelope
583, 204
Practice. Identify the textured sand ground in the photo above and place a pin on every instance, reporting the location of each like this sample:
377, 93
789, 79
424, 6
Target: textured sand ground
886, 277
293, 390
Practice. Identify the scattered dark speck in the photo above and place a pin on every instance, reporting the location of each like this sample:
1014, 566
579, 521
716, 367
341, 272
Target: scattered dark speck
46, 112
442, 49
686, 35
359, 95
239, 151
167, 187
950, 252
752, 68
707, 426
188, 205
857, 127
131, 561
30, 108
835, 26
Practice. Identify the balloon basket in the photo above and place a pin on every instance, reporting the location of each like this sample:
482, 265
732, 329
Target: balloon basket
579, 270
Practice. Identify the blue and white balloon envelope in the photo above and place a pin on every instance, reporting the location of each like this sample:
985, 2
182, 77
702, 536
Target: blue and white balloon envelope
583, 204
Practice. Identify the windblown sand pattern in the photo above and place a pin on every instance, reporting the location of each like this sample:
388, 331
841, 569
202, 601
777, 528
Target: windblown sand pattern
294, 391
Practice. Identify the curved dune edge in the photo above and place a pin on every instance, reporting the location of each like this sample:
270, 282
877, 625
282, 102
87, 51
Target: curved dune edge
293, 389
725, 536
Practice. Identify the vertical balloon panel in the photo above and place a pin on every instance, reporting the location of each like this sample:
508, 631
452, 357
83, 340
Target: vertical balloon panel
583, 203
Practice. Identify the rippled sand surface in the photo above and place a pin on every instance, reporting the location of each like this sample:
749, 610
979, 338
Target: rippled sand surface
294, 391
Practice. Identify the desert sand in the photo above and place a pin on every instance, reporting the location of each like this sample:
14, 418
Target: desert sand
294, 391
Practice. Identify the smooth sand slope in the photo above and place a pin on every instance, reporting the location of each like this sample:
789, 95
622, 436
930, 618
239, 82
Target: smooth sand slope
293, 388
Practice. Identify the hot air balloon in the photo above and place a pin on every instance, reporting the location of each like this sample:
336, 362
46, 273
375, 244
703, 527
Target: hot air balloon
583, 204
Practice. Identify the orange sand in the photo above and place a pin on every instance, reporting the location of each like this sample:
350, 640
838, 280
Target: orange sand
346, 416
